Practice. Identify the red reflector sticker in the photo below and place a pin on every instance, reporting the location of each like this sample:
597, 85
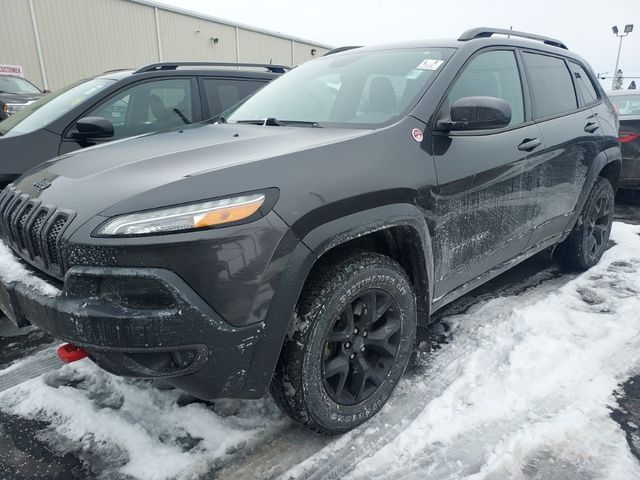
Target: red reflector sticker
416, 133
70, 353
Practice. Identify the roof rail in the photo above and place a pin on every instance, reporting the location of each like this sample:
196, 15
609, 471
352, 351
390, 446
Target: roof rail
341, 49
175, 65
484, 32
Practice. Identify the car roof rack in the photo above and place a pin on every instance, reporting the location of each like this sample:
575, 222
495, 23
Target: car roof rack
175, 65
484, 32
341, 49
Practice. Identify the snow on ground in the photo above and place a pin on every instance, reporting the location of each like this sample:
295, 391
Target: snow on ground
135, 429
535, 377
522, 388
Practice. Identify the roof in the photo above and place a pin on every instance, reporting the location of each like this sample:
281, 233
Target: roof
473, 43
191, 13
192, 69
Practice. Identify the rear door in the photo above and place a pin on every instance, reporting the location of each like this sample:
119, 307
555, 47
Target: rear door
482, 213
572, 138
221, 93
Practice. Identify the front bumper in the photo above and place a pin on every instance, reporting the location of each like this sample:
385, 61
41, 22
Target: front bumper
161, 330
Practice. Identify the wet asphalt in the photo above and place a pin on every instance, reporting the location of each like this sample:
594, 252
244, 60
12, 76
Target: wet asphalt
25, 454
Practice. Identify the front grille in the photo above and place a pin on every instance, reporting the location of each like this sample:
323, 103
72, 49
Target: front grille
34, 230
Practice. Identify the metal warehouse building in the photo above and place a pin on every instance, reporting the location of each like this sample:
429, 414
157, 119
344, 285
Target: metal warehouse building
57, 42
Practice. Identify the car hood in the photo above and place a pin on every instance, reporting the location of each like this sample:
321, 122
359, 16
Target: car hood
6, 97
92, 180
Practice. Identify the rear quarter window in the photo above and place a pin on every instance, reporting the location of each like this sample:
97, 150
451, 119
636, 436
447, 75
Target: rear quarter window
551, 85
584, 84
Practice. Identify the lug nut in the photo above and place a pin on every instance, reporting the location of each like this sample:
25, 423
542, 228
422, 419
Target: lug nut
353, 355
355, 331
364, 334
347, 345
362, 349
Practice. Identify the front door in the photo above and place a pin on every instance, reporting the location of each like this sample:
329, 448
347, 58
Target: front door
483, 216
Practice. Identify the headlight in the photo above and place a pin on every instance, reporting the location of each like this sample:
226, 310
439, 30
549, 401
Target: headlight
11, 108
184, 217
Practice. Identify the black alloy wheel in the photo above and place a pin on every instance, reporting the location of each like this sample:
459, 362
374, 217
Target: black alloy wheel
361, 347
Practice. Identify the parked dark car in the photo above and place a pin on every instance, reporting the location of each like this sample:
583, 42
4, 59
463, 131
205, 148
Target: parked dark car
628, 106
15, 94
298, 243
122, 104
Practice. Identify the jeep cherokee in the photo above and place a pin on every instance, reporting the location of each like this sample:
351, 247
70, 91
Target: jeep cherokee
298, 243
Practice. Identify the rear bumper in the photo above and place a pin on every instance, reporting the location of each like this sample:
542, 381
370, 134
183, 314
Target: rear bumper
630, 172
163, 330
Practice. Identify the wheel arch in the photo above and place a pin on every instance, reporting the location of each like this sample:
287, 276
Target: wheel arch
398, 230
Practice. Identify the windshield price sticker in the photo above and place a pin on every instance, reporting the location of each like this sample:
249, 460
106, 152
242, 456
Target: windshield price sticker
430, 64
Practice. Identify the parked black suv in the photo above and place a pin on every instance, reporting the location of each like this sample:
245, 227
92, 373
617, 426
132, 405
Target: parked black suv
627, 103
16, 93
122, 104
310, 231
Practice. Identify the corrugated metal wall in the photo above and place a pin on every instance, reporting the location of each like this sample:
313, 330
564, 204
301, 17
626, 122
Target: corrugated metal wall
17, 40
80, 38
258, 47
190, 38
302, 52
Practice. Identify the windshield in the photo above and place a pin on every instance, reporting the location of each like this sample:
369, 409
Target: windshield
16, 85
626, 104
359, 89
53, 106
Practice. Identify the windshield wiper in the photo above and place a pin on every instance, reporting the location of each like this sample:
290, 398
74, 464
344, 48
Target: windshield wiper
274, 122
218, 119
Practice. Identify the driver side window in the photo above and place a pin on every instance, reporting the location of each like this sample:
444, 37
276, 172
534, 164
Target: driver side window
148, 107
492, 74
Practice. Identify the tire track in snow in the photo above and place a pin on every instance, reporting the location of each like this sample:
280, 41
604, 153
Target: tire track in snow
296, 453
32, 367
339, 458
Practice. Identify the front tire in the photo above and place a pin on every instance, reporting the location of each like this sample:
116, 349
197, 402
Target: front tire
586, 243
352, 338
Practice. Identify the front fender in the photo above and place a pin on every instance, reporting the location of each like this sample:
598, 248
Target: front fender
316, 243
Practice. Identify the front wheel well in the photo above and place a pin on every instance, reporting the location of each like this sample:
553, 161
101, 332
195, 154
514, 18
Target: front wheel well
402, 244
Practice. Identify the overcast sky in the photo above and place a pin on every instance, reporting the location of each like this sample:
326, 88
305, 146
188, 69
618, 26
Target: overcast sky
584, 25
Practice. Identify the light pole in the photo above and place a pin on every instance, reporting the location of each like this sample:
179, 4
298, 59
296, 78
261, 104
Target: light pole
627, 30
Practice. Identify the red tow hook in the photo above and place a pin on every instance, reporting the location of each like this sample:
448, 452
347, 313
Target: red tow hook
70, 353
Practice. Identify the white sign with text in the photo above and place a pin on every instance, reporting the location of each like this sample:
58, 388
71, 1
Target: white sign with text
11, 70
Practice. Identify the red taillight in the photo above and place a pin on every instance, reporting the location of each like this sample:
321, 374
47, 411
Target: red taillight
628, 137
70, 353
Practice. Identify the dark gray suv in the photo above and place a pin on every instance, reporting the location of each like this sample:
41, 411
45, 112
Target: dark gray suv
297, 244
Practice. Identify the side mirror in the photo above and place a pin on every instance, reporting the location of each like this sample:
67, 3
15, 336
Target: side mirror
478, 113
93, 128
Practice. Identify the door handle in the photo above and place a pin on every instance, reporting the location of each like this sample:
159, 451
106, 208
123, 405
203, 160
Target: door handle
591, 127
529, 144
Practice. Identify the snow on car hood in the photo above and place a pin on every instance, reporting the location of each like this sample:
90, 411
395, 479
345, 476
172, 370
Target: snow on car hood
521, 388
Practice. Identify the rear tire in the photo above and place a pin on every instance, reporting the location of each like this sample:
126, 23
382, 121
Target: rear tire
586, 243
342, 358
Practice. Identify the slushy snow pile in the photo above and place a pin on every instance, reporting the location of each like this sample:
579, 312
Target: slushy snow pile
11, 270
521, 389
